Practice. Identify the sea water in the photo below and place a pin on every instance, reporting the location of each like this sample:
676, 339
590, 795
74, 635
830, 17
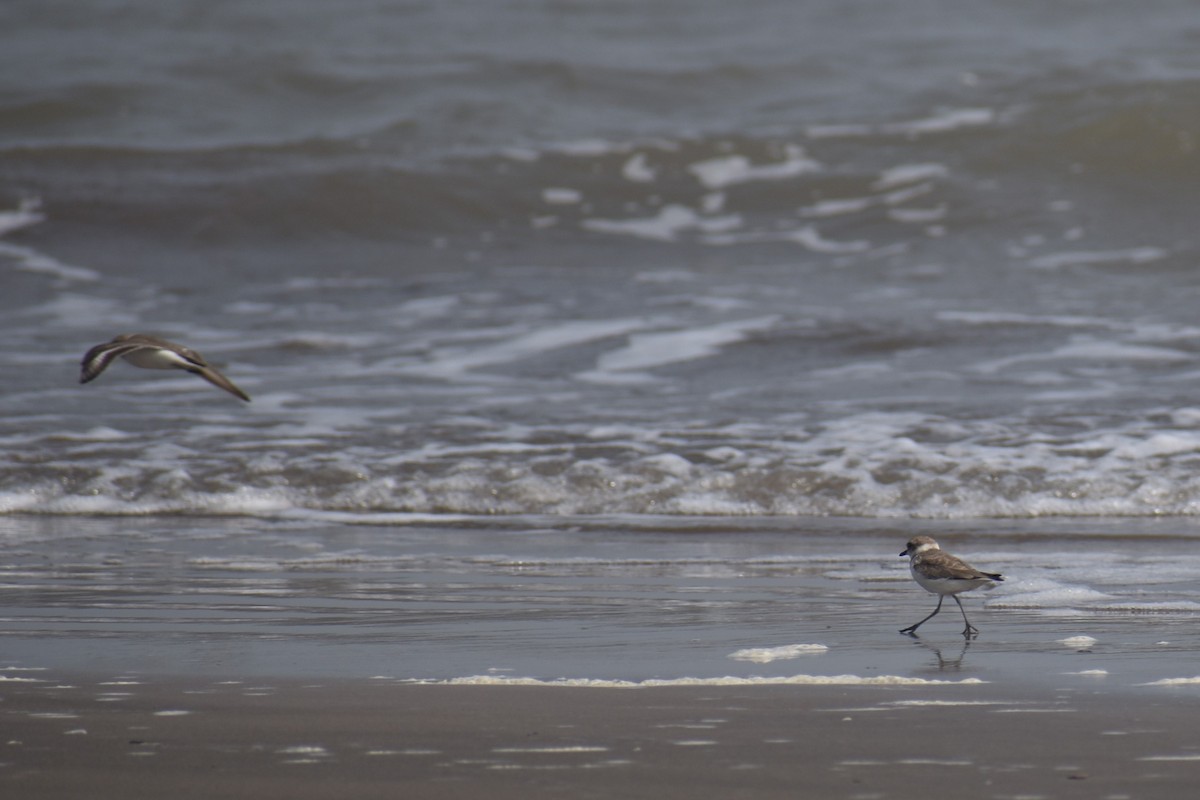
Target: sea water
537, 264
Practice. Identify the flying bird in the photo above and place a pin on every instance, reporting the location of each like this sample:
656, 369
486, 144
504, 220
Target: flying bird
150, 352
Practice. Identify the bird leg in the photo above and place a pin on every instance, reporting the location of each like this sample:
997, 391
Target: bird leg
967, 631
911, 629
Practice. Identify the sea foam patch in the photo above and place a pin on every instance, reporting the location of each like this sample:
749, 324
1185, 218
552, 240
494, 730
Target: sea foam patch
723, 171
1078, 642
789, 680
765, 655
1195, 681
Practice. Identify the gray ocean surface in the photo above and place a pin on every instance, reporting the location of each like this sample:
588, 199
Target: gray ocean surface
596, 339
923, 259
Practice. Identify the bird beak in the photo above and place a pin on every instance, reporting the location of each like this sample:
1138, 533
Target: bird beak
904, 552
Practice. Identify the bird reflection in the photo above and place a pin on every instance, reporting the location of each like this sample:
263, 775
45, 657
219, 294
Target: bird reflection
942, 662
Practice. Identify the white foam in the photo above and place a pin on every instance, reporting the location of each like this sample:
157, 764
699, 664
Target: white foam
28, 212
100, 433
791, 680
906, 193
765, 655
1175, 682
1078, 641
1011, 318
27, 259
811, 238
719, 173
451, 361
1088, 348
836, 208
1136, 255
1119, 351
589, 148
1160, 444
938, 703
1142, 606
666, 226
808, 236
553, 750
647, 350
877, 463
636, 169
917, 216
943, 122
1048, 593
908, 173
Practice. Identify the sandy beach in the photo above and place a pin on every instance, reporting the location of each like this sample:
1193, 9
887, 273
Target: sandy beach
135, 739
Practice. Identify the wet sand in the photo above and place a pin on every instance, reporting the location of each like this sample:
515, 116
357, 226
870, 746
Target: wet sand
101, 738
169, 658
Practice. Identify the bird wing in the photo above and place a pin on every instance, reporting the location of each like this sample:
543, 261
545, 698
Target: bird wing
943, 566
99, 357
220, 381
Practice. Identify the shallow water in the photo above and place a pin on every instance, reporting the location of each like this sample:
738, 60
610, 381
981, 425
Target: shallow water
716, 600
